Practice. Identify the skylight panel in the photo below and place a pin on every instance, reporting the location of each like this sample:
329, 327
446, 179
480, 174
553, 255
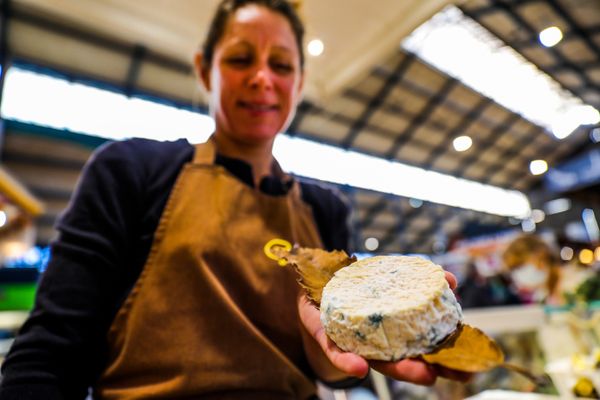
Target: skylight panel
61, 104
57, 103
463, 49
333, 164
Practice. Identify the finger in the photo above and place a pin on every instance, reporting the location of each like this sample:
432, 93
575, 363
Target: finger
453, 374
349, 363
409, 370
451, 280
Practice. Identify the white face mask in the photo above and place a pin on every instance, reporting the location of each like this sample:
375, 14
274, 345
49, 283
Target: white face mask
529, 277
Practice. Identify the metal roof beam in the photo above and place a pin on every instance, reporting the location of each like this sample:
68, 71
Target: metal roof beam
373, 210
508, 9
377, 100
137, 58
450, 104
391, 109
42, 161
423, 115
466, 120
427, 232
492, 169
86, 36
392, 233
574, 26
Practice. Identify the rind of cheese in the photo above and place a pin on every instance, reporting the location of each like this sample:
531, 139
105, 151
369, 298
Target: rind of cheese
389, 307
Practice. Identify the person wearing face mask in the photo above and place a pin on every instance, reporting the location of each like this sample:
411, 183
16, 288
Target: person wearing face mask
158, 286
534, 270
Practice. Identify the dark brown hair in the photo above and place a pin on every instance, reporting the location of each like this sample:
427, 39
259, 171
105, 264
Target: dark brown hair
228, 7
525, 246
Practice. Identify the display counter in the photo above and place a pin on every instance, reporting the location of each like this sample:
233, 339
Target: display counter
557, 341
562, 342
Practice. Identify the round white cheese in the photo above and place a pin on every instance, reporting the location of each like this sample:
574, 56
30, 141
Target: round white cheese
389, 307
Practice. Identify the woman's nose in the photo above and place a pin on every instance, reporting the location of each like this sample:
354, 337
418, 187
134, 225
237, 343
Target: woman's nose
261, 78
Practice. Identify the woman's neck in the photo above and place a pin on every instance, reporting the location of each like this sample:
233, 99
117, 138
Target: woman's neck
257, 155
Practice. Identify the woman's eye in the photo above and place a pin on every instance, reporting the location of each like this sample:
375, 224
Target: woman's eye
239, 61
282, 67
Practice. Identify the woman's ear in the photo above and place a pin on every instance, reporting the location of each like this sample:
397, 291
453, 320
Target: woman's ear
202, 73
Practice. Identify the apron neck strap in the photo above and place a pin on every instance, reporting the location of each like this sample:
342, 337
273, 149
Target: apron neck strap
205, 152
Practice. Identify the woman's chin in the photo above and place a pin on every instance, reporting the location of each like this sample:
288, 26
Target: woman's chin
258, 135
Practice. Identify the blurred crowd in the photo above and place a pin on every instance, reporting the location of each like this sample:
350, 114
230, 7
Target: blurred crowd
531, 273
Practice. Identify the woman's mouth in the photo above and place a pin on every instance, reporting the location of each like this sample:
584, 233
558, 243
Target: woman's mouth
257, 107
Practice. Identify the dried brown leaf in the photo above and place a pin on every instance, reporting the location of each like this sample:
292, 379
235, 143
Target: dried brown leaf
315, 267
468, 350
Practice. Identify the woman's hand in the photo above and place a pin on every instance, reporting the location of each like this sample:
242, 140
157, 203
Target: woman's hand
332, 363
328, 361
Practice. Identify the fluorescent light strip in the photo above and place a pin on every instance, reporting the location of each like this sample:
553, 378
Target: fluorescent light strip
79, 108
57, 103
333, 164
460, 47
557, 206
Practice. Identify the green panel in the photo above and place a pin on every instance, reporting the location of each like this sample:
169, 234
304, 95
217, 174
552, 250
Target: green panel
17, 296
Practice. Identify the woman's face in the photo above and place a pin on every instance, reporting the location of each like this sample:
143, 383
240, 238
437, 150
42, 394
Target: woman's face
255, 77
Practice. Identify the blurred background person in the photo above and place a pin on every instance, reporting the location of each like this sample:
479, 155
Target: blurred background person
479, 290
534, 270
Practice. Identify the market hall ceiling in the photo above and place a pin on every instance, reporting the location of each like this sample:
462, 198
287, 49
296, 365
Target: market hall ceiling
365, 93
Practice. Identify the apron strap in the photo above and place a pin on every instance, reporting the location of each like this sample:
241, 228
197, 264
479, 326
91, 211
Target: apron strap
205, 152
296, 191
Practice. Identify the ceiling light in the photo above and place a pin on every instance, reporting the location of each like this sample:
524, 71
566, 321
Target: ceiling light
538, 167
373, 173
591, 224
462, 143
595, 135
315, 47
564, 123
566, 253
415, 203
371, 244
528, 225
2, 219
557, 206
497, 71
538, 216
77, 110
550, 36
586, 256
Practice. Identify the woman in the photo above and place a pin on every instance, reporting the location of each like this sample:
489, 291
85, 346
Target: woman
158, 287
534, 270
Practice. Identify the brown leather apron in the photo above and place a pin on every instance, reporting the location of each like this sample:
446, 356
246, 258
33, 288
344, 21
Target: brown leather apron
210, 315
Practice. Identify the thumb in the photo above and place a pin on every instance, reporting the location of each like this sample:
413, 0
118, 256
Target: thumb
349, 363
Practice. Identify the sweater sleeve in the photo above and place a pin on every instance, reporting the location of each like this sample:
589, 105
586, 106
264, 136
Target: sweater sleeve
60, 349
332, 212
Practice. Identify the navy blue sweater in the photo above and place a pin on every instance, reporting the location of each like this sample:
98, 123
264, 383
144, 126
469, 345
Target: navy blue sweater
104, 238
